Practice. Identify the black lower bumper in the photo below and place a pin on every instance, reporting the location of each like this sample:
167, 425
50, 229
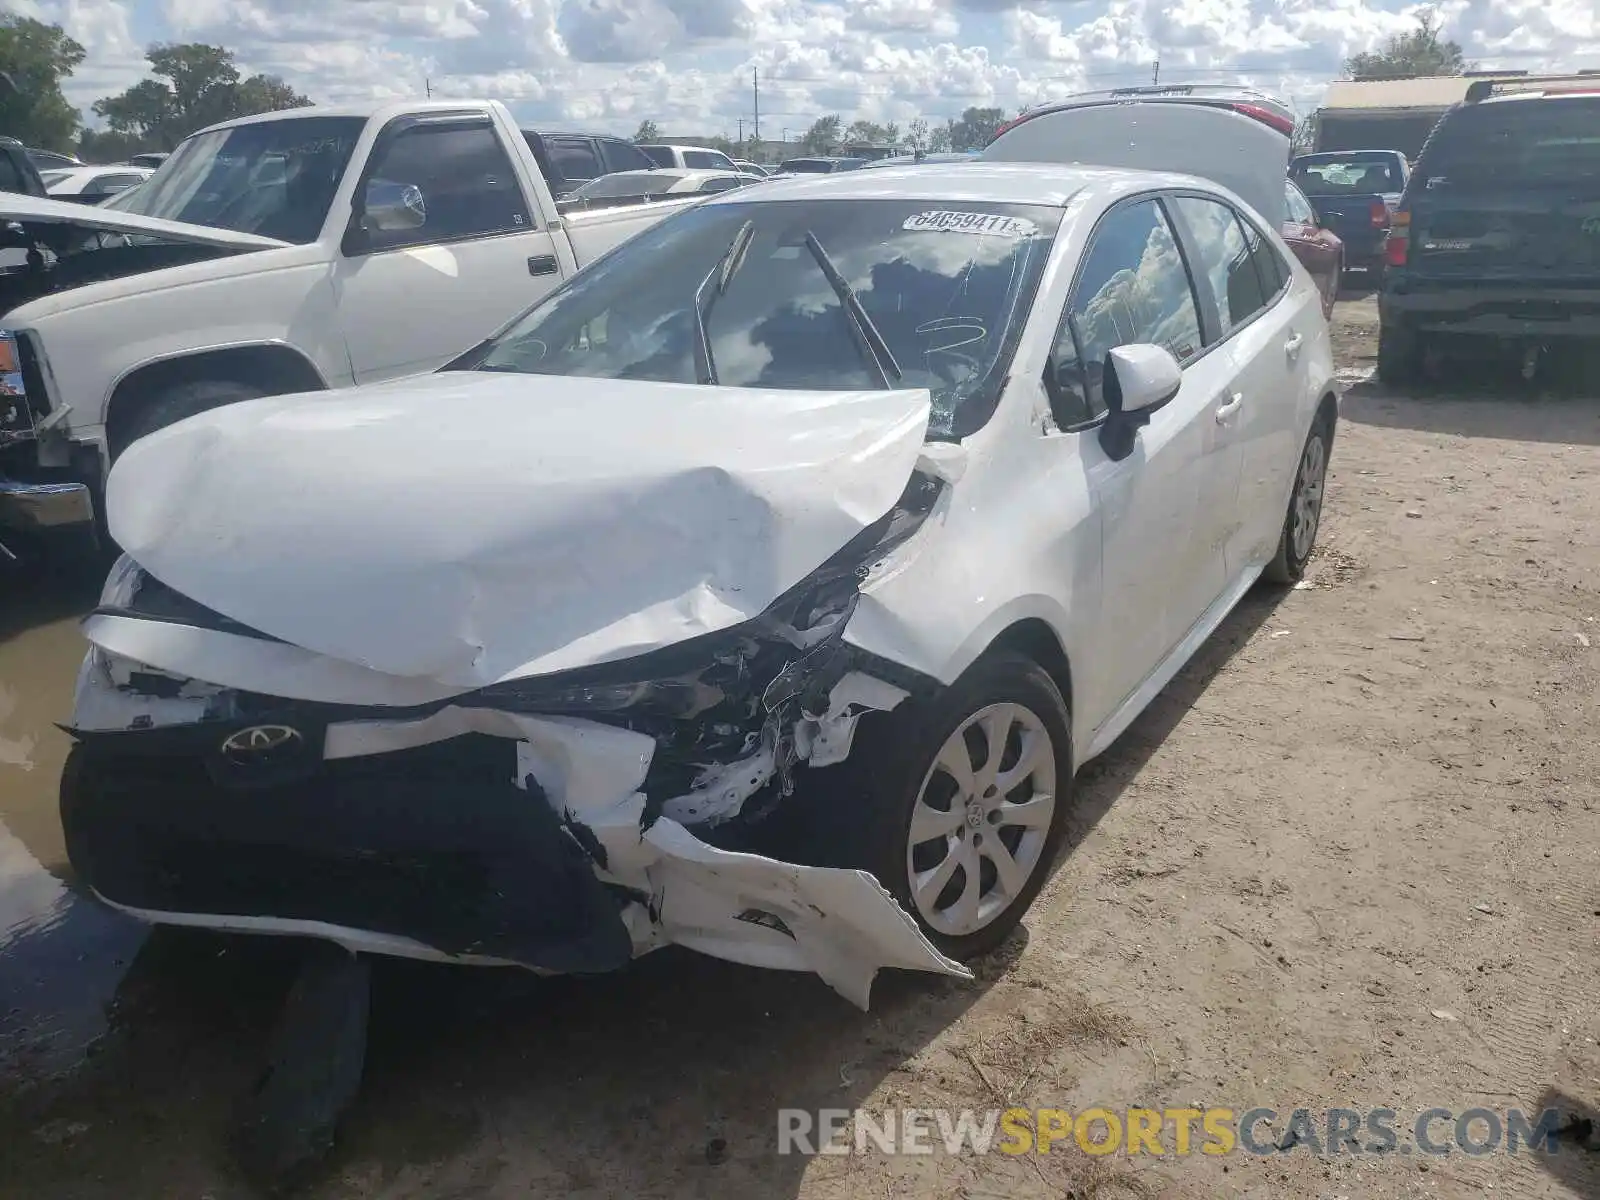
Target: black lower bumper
435, 844
1472, 309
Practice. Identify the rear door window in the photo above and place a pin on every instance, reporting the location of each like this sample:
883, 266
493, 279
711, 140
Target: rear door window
1133, 287
620, 156
1224, 257
1274, 272
574, 158
661, 156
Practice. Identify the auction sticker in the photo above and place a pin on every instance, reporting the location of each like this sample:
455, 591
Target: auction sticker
944, 221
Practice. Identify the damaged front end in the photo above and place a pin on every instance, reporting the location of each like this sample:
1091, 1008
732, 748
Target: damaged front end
565, 822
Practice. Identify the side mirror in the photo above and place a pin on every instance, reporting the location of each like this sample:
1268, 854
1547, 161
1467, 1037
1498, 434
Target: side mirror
393, 207
1138, 380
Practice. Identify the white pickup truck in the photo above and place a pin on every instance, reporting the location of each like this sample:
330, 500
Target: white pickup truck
294, 251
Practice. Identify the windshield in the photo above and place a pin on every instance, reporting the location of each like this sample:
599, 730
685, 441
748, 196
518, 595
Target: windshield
816, 294
646, 183
273, 178
1516, 142
1347, 176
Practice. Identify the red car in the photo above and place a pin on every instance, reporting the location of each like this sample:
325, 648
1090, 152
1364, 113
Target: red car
1319, 249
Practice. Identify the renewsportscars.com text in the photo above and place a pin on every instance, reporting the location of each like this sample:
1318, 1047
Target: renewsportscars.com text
1103, 1130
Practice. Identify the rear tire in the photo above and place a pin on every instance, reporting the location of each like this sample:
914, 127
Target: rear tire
177, 403
1304, 518
1399, 354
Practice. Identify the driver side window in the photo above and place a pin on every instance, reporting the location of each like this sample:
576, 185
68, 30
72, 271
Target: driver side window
1133, 287
467, 185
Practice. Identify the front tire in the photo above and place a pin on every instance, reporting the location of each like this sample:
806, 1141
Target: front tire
1299, 536
174, 404
958, 804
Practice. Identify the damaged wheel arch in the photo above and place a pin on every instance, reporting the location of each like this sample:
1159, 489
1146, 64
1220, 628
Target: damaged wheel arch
859, 814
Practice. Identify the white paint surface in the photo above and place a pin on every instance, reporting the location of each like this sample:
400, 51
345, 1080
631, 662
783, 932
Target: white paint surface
467, 528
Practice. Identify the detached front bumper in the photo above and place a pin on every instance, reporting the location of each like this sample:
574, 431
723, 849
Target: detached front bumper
470, 835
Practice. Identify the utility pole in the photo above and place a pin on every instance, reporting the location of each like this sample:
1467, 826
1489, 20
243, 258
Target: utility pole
428, 84
741, 131
755, 79
1155, 72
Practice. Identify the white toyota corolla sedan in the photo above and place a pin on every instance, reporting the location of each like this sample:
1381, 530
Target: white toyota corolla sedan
760, 590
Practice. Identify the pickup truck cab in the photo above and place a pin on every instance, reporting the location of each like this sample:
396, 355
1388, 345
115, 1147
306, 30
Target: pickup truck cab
1355, 194
292, 251
689, 158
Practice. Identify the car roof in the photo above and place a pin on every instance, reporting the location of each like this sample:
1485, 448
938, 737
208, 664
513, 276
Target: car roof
981, 182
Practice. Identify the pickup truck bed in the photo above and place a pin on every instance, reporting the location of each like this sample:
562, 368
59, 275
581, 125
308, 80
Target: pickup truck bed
1355, 193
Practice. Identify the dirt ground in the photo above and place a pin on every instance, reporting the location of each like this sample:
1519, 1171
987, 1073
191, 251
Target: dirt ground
1349, 858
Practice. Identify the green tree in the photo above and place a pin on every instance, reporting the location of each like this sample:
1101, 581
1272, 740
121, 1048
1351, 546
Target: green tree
103, 146
976, 128
195, 85
823, 135
647, 134
37, 57
917, 134
1420, 52
939, 141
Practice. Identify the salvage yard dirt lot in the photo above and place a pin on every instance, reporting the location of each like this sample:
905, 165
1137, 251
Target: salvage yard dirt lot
1350, 858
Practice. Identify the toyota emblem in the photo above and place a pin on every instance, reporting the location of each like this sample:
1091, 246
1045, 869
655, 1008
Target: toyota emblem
259, 741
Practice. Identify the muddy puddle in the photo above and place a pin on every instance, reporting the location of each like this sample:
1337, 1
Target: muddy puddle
62, 956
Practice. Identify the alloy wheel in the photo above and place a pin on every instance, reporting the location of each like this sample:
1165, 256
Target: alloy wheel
1308, 496
981, 819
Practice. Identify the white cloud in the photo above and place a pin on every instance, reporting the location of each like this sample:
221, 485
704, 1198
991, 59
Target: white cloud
686, 64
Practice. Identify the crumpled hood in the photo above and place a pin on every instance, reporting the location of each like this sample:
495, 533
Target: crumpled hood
475, 527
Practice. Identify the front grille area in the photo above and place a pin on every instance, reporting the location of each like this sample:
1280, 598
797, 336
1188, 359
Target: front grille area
435, 844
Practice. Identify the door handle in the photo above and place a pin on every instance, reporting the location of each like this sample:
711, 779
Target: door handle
543, 264
1292, 346
1233, 404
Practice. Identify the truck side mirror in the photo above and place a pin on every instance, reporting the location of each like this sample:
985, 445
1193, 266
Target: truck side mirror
393, 207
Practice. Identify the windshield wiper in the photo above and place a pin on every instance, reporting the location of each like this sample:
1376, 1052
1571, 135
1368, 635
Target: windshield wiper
712, 289
871, 340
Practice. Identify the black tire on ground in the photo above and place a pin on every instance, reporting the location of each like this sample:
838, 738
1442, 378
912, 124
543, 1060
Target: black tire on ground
175, 403
1288, 566
1399, 354
313, 1068
858, 814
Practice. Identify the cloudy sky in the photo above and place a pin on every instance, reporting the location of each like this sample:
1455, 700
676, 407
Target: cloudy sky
607, 64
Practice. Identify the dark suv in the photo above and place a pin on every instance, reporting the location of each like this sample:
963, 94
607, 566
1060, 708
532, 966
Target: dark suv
1498, 232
